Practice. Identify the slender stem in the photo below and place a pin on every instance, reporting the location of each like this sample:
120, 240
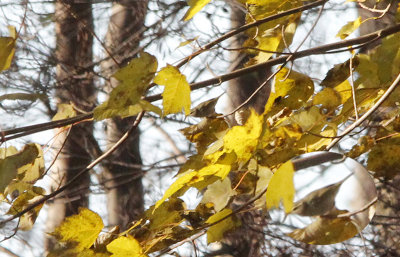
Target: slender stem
368, 113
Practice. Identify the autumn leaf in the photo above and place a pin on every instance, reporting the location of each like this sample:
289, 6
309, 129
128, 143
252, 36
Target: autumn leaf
169, 213
349, 28
325, 231
64, 111
243, 140
176, 95
217, 231
134, 79
125, 246
339, 73
195, 7
24, 200
219, 193
281, 188
7, 49
82, 229
291, 90
10, 164
328, 98
384, 160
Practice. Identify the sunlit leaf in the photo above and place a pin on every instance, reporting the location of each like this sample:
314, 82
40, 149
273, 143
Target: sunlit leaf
125, 246
134, 79
64, 111
328, 98
281, 188
349, 28
217, 231
290, 90
176, 95
195, 7
188, 41
7, 49
81, 229
243, 140
167, 214
219, 193
264, 175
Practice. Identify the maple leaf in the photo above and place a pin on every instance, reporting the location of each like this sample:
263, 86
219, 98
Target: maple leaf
176, 95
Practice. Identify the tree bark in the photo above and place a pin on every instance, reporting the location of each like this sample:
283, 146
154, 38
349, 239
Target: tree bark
74, 27
123, 185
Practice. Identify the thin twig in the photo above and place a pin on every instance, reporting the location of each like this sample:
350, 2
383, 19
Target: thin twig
77, 176
368, 113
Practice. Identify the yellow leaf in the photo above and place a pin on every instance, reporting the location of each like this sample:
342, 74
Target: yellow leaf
219, 170
7, 49
81, 229
264, 175
187, 42
328, 98
281, 188
181, 182
325, 231
64, 111
349, 28
291, 91
125, 100
243, 140
168, 214
23, 200
33, 171
344, 91
20, 96
195, 7
219, 193
307, 119
125, 246
216, 232
9, 165
384, 160
176, 95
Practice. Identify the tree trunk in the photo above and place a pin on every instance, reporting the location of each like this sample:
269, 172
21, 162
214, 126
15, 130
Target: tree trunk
247, 240
123, 185
74, 27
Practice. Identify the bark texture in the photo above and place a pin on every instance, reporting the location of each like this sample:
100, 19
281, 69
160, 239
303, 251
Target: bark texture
74, 27
123, 175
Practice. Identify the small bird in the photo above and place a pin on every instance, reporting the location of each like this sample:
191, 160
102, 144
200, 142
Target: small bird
319, 202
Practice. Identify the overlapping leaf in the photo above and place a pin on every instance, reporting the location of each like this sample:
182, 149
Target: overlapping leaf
176, 95
7, 49
125, 100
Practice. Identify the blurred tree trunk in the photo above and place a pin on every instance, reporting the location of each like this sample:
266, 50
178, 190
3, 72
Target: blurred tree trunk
123, 175
74, 27
247, 240
388, 236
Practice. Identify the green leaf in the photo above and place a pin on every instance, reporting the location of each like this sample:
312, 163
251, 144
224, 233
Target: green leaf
125, 100
125, 246
9, 165
7, 49
216, 232
195, 7
349, 28
281, 188
81, 229
176, 95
